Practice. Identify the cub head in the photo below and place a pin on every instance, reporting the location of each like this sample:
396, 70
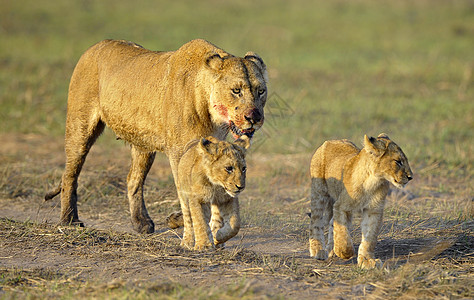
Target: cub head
238, 92
391, 162
224, 162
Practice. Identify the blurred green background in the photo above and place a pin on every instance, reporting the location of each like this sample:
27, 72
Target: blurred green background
338, 69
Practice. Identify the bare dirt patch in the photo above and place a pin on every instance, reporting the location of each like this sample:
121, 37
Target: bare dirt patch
426, 254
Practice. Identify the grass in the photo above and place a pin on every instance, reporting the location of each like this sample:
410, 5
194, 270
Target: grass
417, 277
338, 69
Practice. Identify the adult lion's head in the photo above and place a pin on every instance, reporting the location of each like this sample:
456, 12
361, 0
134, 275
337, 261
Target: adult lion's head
238, 92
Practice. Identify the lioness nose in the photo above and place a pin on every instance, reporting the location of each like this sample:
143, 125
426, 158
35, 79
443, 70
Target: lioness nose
409, 177
240, 187
253, 116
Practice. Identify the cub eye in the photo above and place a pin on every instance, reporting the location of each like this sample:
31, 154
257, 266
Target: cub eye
229, 169
261, 91
236, 91
244, 169
398, 162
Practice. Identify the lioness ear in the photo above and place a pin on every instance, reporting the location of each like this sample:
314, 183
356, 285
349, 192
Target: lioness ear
243, 142
373, 146
254, 57
214, 61
207, 147
383, 136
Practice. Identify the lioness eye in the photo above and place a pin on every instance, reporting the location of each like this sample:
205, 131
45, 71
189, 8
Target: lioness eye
229, 169
244, 169
398, 162
261, 91
236, 91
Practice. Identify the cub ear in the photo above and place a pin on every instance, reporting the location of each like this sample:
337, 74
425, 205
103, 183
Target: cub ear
243, 142
374, 146
383, 136
207, 146
255, 58
214, 61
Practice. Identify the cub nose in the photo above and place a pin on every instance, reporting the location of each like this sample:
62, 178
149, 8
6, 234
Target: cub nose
240, 187
409, 177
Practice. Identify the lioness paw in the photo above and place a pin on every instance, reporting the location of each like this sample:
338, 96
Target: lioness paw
143, 226
77, 223
368, 263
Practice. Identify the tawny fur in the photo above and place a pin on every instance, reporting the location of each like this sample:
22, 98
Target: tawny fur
211, 174
346, 179
156, 101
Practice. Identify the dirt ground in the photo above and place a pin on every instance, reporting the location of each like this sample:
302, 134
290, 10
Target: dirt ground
269, 256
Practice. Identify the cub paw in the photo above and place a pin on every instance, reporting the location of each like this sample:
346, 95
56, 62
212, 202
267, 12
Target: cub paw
316, 251
219, 245
368, 263
321, 254
203, 246
187, 244
175, 220
344, 252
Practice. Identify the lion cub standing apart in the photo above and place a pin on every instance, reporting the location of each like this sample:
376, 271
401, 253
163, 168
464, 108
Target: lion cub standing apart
211, 174
345, 179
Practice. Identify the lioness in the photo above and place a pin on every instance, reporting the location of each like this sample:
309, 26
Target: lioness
345, 179
211, 174
156, 101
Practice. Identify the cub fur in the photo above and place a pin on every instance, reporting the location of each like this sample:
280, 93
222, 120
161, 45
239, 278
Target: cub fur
211, 174
345, 179
156, 101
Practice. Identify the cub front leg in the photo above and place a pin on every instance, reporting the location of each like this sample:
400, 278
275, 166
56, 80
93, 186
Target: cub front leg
200, 215
370, 227
230, 214
217, 222
188, 232
343, 246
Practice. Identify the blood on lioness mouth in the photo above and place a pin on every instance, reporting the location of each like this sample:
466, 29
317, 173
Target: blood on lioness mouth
236, 132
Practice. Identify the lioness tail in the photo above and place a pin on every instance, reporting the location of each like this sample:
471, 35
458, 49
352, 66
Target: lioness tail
51, 194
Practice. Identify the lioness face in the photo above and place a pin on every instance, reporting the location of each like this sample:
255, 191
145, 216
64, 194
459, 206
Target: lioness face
238, 94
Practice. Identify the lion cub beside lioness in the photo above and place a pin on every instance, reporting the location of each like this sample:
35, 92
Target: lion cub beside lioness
345, 179
211, 174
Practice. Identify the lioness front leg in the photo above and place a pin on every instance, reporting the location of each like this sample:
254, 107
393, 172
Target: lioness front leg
370, 226
141, 164
230, 213
343, 246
